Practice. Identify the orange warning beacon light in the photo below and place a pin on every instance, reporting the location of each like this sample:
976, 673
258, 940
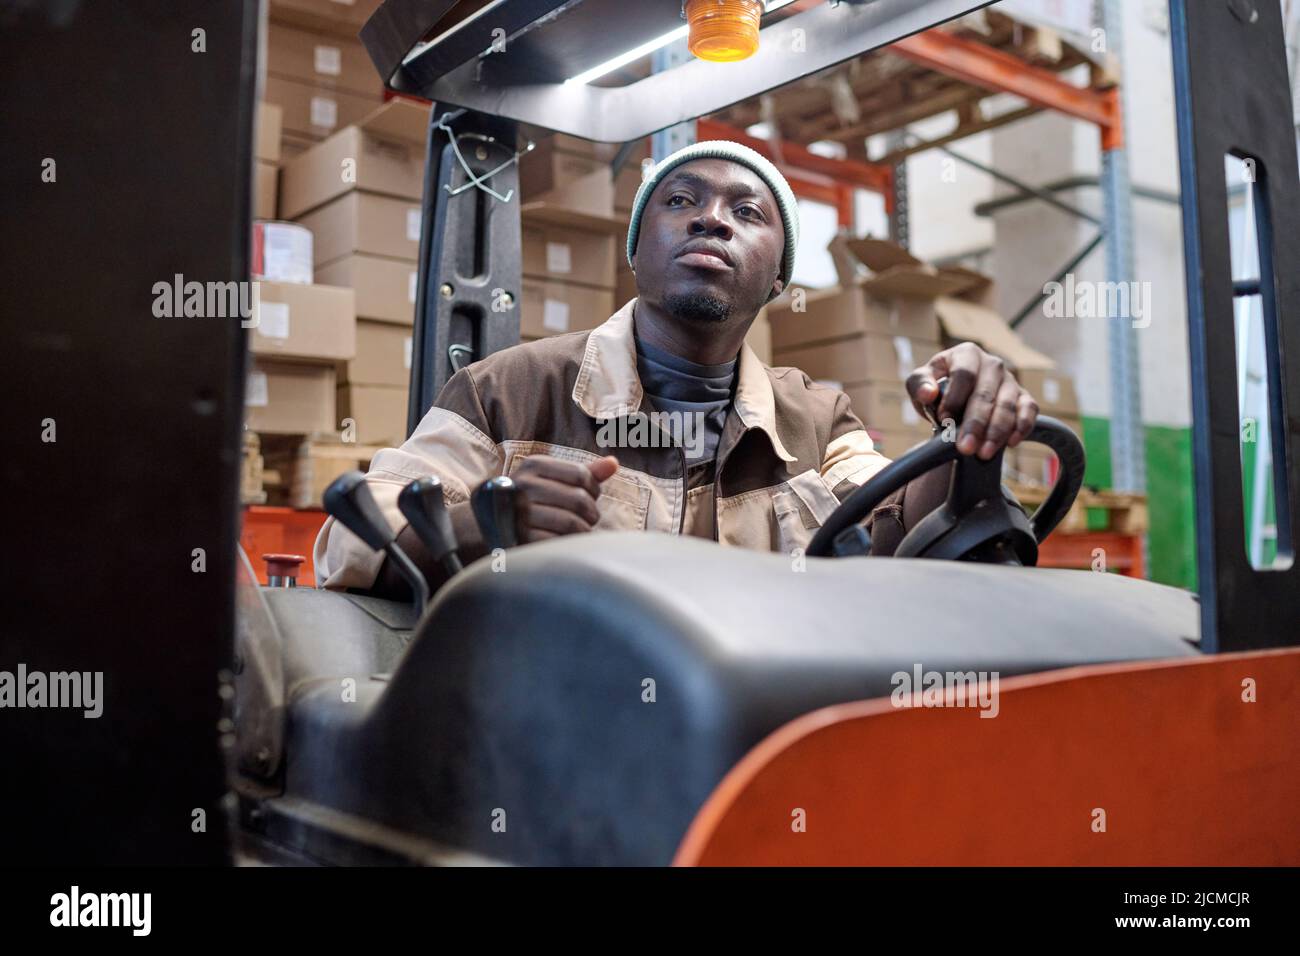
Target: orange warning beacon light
723, 31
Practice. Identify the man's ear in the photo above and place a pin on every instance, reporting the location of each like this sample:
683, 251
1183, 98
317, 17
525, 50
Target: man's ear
777, 287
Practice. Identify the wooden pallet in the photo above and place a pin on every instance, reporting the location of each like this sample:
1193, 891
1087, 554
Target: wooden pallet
298, 468
251, 471
1126, 512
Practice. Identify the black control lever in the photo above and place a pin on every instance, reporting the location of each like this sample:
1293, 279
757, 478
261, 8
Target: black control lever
349, 502
493, 503
932, 410
421, 503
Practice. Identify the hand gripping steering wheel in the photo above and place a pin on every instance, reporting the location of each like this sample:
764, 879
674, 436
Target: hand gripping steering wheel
977, 522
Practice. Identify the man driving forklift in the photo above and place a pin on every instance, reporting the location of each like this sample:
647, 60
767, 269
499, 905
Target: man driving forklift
662, 418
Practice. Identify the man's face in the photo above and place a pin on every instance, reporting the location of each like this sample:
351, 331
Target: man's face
710, 243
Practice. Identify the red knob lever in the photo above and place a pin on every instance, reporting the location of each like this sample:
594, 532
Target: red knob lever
282, 569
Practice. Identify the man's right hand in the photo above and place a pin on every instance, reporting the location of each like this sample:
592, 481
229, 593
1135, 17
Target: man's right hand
557, 496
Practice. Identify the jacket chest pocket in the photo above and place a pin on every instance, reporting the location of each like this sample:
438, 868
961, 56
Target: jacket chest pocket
794, 525
623, 504
800, 510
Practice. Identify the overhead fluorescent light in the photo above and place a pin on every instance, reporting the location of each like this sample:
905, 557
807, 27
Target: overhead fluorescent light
460, 25
623, 59
645, 49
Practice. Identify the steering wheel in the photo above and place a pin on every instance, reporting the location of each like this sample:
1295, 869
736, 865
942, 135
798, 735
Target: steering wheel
979, 521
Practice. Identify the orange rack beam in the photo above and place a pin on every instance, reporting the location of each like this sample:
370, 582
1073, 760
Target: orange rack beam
982, 65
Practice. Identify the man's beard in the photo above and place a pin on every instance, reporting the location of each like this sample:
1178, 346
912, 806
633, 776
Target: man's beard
697, 307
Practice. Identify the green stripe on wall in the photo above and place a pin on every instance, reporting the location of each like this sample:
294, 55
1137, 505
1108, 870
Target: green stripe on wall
1170, 496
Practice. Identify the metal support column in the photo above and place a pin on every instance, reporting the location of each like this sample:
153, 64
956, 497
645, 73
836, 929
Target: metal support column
1240, 108
899, 213
468, 293
1127, 445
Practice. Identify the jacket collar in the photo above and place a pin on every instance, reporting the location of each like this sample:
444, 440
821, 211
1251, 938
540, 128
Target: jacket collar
608, 385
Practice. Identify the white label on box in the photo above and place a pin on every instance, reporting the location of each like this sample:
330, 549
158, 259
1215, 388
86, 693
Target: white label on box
559, 257
1051, 391
274, 320
329, 60
555, 315
324, 112
286, 252
830, 383
413, 224
406, 352
412, 281
903, 349
255, 395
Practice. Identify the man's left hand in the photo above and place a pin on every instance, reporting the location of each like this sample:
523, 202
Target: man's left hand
995, 412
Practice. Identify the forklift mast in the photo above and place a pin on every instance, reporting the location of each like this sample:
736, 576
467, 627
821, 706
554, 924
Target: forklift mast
1233, 98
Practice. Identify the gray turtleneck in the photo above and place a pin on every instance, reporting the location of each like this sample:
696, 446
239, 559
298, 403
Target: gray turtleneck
674, 384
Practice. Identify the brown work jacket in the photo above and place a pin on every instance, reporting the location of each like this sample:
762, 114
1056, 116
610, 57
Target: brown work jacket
790, 451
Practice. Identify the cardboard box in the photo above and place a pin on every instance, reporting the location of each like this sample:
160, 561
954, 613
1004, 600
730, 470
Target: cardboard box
378, 411
583, 184
321, 59
281, 252
892, 444
315, 112
304, 322
626, 184
628, 179
893, 271
1054, 391
383, 153
292, 145
319, 460
265, 178
866, 358
964, 321
553, 308
568, 255
385, 288
838, 313
383, 356
251, 464
1036, 464
1030, 464
605, 152
888, 408
342, 17
266, 141
364, 222
759, 337
624, 287
288, 399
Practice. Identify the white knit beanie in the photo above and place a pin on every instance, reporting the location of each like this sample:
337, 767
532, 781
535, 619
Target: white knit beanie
737, 153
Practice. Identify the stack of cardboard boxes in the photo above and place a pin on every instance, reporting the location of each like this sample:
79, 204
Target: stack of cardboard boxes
569, 235
266, 161
889, 314
299, 333
300, 330
625, 187
317, 70
1056, 396
359, 193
